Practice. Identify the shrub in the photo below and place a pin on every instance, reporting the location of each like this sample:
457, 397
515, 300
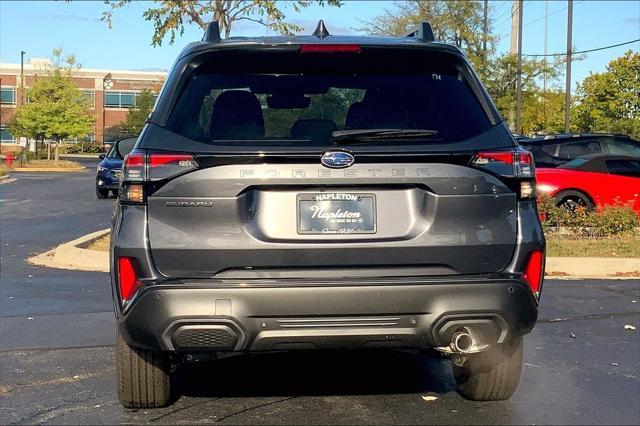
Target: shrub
88, 148
616, 219
545, 206
610, 220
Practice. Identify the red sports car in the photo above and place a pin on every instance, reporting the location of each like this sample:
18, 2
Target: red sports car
593, 181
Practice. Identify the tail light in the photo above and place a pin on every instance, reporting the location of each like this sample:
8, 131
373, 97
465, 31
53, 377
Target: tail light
139, 169
165, 166
133, 167
127, 280
515, 165
533, 273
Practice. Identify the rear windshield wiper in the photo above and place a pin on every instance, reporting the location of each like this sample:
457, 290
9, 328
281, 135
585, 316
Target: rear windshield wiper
367, 135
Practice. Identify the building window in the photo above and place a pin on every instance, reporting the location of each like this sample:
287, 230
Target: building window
115, 99
91, 95
6, 136
120, 99
8, 96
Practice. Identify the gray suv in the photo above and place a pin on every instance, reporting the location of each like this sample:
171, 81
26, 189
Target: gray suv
324, 192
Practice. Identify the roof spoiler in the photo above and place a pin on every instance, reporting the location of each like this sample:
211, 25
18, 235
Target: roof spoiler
422, 32
212, 34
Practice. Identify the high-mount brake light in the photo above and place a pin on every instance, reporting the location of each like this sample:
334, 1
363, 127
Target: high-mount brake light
533, 272
330, 48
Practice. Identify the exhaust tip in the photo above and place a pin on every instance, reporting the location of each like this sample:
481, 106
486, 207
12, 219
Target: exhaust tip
462, 341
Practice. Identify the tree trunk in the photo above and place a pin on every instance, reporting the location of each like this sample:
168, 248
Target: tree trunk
48, 151
55, 161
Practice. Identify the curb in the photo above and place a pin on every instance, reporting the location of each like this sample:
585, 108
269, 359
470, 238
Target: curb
79, 156
72, 255
593, 267
6, 179
48, 169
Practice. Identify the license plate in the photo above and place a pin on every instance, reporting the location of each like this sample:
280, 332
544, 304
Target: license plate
336, 213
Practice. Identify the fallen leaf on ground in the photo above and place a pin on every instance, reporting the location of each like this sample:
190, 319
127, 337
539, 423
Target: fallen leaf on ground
429, 398
626, 274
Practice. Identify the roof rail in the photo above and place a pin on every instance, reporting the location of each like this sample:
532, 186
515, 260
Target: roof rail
422, 32
212, 34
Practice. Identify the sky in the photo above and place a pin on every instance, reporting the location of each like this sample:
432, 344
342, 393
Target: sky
37, 27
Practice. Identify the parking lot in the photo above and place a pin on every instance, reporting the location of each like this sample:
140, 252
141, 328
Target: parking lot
57, 348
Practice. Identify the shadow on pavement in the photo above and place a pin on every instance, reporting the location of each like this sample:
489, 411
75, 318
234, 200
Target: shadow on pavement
316, 374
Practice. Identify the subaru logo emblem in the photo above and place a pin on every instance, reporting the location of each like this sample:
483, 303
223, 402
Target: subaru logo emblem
337, 159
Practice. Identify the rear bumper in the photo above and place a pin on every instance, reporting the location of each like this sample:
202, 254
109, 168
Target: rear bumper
236, 316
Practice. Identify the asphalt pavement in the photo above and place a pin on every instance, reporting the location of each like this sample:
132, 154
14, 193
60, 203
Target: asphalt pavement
57, 355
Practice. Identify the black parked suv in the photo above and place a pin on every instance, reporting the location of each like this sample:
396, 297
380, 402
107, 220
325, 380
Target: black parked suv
324, 192
556, 150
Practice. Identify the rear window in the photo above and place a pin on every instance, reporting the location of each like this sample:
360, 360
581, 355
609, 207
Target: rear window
621, 167
544, 155
291, 98
578, 149
623, 147
574, 164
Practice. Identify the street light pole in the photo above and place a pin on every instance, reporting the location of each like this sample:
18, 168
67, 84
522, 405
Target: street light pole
485, 30
106, 81
567, 92
22, 98
519, 73
22, 52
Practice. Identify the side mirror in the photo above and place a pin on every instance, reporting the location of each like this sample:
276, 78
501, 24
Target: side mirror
101, 156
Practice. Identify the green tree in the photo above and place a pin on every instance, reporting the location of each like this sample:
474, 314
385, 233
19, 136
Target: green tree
170, 17
610, 101
540, 110
138, 115
453, 21
56, 109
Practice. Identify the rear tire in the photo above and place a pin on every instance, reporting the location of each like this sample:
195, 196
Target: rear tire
102, 193
573, 200
144, 379
492, 375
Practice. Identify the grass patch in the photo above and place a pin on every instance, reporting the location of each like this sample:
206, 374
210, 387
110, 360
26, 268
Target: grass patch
101, 244
624, 245
62, 164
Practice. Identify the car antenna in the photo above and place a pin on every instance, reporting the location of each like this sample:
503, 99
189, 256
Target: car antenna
321, 31
212, 34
